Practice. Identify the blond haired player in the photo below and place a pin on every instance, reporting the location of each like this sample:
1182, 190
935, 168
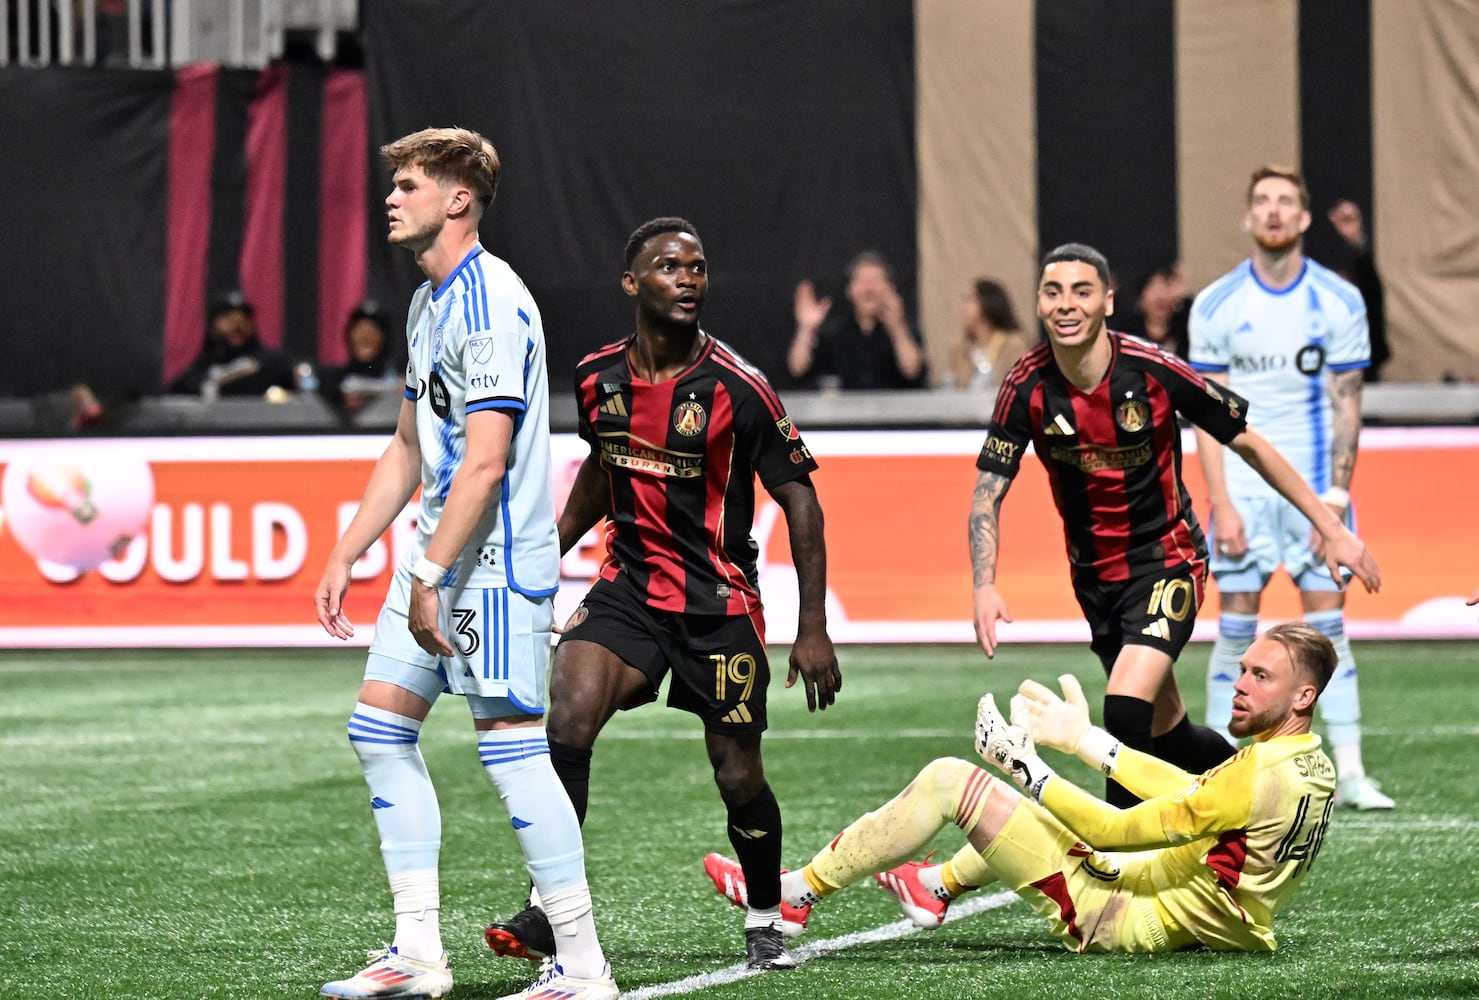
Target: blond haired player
1203, 860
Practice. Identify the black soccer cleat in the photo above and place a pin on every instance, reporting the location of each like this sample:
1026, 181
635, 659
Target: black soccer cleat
527, 934
765, 948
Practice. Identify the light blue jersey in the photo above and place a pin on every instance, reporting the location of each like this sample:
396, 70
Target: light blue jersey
477, 343
1277, 348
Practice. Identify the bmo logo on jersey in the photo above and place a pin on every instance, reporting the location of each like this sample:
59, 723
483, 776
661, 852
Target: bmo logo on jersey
1250, 364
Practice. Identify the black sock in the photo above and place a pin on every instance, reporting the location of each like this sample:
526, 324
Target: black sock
755, 832
1192, 748
573, 765
1127, 720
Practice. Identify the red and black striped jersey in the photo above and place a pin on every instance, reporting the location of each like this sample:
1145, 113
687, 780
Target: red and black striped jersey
1113, 454
681, 458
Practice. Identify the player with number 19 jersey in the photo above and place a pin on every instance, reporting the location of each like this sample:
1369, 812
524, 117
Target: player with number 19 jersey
477, 343
681, 457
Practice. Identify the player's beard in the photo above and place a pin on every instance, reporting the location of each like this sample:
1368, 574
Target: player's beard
415, 240
1280, 244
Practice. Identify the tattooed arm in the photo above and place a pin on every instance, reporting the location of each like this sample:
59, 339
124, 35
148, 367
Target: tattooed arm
1345, 435
985, 535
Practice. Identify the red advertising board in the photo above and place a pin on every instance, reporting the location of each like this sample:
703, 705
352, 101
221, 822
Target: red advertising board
239, 529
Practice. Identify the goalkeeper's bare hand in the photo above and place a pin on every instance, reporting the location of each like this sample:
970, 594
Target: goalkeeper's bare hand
1056, 722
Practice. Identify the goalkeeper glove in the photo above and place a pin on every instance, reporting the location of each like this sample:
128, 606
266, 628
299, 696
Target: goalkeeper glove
1009, 749
1063, 723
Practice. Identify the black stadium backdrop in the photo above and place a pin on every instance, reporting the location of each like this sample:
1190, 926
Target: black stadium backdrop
785, 132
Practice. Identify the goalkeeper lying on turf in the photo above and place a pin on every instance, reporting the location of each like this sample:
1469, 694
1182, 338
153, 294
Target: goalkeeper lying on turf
1203, 860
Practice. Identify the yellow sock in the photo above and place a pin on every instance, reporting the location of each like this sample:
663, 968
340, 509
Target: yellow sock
817, 884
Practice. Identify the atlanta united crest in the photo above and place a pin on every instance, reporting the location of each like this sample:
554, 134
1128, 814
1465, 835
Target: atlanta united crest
689, 418
580, 615
1132, 416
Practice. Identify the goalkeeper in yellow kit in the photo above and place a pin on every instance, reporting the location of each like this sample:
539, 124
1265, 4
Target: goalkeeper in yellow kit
1203, 860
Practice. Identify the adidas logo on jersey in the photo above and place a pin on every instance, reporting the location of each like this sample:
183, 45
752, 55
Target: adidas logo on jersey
614, 407
1158, 629
740, 714
1058, 427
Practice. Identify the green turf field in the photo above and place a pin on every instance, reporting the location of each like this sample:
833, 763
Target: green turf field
194, 825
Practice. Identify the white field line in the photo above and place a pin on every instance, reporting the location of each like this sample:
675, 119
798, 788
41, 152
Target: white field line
694, 735
888, 932
965, 734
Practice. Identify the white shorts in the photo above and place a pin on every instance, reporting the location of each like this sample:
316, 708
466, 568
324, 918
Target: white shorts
502, 640
1278, 534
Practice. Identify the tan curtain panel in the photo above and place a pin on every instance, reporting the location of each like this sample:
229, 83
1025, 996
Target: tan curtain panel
1425, 124
977, 164
1237, 106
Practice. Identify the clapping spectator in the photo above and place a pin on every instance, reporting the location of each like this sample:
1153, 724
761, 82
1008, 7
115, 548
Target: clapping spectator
868, 346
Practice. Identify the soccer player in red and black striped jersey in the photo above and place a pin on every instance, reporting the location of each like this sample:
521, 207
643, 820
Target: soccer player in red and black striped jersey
679, 426
1100, 409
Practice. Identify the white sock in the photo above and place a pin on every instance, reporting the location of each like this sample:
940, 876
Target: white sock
1348, 763
763, 918
929, 877
417, 901
404, 804
1340, 702
1235, 633
796, 891
576, 947
517, 762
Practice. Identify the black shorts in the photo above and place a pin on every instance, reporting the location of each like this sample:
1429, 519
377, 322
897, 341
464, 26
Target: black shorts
720, 670
1158, 611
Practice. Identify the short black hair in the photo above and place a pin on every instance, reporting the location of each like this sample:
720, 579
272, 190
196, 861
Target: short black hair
1084, 254
654, 227
230, 301
870, 258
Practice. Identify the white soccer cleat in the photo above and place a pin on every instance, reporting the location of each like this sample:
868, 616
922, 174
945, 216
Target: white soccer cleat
1362, 794
392, 975
555, 985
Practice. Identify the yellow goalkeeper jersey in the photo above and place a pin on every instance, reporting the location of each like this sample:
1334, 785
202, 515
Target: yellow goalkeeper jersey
1227, 849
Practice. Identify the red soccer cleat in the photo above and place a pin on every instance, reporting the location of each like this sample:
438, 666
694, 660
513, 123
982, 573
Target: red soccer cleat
729, 881
923, 908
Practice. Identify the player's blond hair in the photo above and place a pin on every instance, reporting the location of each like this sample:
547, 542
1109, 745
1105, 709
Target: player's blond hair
1309, 650
1289, 174
456, 155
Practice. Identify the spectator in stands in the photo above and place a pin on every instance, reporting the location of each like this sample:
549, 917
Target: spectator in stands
1359, 268
371, 371
234, 362
872, 345
991, 338
1162, 312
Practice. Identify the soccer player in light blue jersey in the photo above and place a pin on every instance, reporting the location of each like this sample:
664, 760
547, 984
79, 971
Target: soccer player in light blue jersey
470, 612
1283, 330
